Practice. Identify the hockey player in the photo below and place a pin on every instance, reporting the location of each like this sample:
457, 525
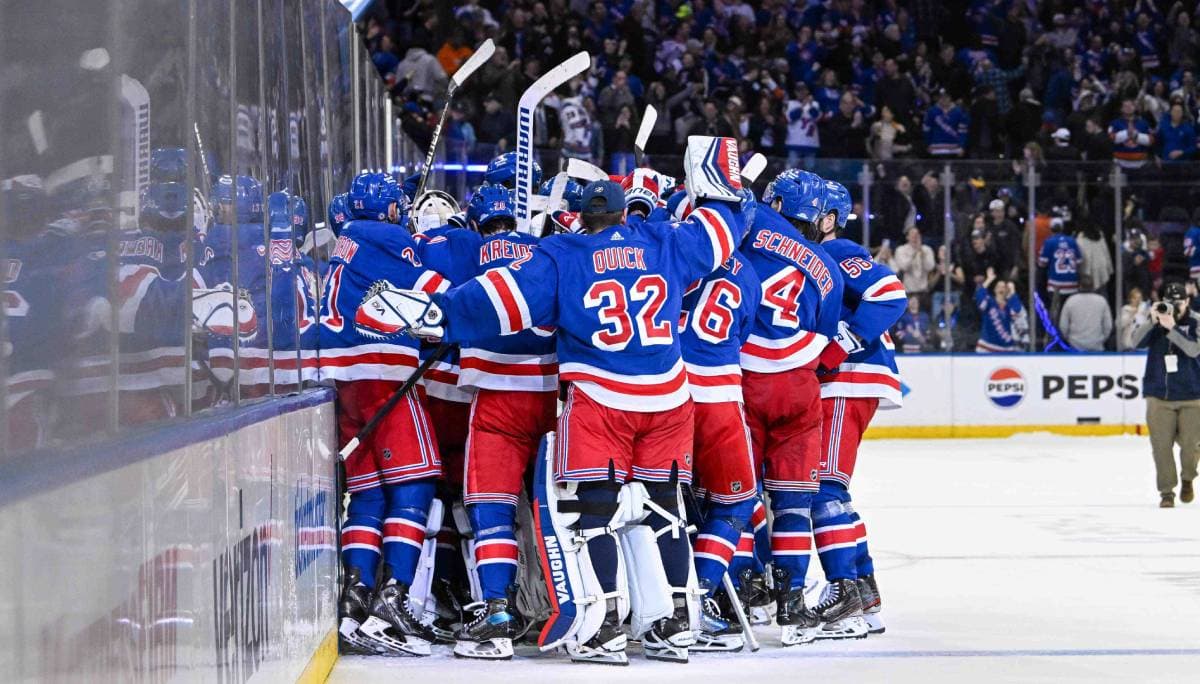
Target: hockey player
391, 477
858, 375
514, 380
503, 171
339, 213
719, 314
798, 313
615, 294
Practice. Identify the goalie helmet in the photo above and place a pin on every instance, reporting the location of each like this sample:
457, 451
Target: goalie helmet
503, 171
489, 203
372, 195
432, 209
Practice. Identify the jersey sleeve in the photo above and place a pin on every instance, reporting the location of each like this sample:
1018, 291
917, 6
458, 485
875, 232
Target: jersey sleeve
751, 298
707, 237
503, 301
829, 313
882, 301
1044, 255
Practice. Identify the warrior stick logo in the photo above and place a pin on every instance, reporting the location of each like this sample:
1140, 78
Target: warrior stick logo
524, 169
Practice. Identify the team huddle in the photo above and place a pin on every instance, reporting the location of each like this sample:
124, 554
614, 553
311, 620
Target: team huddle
631, 418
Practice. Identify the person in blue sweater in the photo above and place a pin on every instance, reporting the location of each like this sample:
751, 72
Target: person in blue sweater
1176, 135
946, 127
914, 329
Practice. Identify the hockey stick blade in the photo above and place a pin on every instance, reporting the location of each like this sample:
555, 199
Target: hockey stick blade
578, 168
753, 168
649, 118
548, 83
393, 400
477, 59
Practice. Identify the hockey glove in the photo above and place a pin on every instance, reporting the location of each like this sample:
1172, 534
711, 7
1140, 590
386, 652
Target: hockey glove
839, 348
712, 169
642, 190
387, 311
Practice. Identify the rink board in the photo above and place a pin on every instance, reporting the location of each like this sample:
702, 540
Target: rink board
212, 560
996, 395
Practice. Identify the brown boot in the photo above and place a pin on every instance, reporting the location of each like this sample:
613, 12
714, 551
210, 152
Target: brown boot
1168, 500
1186, 492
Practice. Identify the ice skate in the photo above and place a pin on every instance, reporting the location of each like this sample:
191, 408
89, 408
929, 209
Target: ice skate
840, 611
353, 607
868, 591
715, 633
393, 627
606, 647
799, 625
755, 596
489, 633
669, 638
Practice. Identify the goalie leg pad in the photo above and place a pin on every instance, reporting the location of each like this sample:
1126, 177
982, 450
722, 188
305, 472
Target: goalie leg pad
834, 532
649, 590
576, 592
362, 532
404, 528
420, 595
718, 540
791, 534
666, 520
495, 547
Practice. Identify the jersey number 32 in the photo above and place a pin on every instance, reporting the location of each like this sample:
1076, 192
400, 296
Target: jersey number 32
620, 327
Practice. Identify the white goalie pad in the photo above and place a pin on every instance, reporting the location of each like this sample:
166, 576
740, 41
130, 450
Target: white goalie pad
577, 602
712, 168
463, 524
419, 596
649, 590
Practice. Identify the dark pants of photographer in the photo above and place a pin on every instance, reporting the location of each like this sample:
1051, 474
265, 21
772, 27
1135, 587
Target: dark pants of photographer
1172, 422
1171, 386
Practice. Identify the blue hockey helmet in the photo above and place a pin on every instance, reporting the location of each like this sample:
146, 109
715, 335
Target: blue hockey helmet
837, 201
249, 197
490, 202
338, 213
800, 200
372, 194
572, 193
164, 205
168, 165
503, 171
279, 212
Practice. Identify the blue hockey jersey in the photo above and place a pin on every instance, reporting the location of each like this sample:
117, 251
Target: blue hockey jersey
872, 301
615, 296
995, 324
524, 361
801, 296
368, 253
1191, 249
1061, 257
718, 317
946, 131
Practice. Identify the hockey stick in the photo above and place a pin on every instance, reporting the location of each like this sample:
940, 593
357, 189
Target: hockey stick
390, 404
753, 168
546, 205
548, 83
585, 171
476, 60
649, 118
727, 582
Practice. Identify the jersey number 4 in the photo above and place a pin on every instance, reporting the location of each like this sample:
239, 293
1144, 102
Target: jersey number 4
781, 294
611, 298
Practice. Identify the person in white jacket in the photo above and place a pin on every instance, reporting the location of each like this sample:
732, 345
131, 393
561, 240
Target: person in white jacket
913, 262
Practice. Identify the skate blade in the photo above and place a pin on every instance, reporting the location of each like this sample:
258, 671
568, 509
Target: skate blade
388, 643
609, 654
720, 644
494, 649
874, 623
794, 635
351, 642
849, 628
667, 655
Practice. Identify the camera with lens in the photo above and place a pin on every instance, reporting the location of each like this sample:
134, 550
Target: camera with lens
1162, 308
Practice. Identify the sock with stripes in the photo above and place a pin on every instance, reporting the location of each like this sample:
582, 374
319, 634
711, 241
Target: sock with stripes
404, 528
362, 533
834, 532
791, 533
717, 540
495, 547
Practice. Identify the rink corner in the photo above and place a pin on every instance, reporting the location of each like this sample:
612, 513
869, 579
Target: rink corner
322, 661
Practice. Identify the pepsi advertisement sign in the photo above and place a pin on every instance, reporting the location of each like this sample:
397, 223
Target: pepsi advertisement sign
1005, 387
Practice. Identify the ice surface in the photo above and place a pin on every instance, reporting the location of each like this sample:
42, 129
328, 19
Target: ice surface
1034, 558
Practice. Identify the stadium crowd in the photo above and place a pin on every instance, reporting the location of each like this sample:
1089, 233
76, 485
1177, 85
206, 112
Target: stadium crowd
1067, 89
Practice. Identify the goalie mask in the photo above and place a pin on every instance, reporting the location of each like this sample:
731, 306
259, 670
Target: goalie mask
432, 209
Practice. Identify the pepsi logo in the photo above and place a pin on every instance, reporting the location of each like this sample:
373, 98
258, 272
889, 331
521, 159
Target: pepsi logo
1005, 387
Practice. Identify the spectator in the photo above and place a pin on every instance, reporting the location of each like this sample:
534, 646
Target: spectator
1004, 238
914, 330
618, 139
947, 326
976, 260
1135, 310
1176, 135
1060, 257
460, 134
844, 133
1096, 144
578, 128
889, 138
453, 52
803, 137
424, 74
929, 202
497, 125
914, 263
988, 75
1060, 148
712, 123
896, 214
996, 325
1131, 137
613, 98
1184, 42
896, 92
950, 75
946, 126
1097, 262
1135, 259
1086, 320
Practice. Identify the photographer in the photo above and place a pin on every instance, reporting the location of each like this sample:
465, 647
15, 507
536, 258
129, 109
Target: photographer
1172, 389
